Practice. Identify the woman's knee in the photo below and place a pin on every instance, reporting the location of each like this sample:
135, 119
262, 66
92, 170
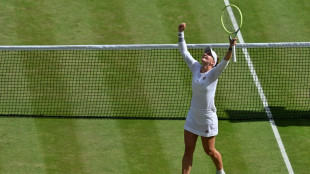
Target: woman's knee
210, 151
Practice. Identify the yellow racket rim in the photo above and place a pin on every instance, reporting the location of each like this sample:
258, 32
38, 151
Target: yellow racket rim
222, 20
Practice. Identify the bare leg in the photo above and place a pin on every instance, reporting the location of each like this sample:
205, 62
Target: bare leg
190, 140
209, 147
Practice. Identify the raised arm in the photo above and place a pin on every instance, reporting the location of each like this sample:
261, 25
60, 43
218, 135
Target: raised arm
190, 61
232, 42
217, 71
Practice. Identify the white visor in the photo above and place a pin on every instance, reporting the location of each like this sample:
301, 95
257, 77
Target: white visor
214, 55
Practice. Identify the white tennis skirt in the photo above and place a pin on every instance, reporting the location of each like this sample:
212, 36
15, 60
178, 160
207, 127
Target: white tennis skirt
202, 123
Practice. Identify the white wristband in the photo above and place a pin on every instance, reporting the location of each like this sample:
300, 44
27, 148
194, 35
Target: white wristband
181, 34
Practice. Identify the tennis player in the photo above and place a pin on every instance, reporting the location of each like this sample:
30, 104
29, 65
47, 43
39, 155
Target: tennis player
201, 119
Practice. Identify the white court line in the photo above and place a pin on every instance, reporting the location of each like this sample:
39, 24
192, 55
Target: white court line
262, 95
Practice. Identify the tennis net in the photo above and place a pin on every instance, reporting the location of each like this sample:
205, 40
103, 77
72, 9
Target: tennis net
150, 81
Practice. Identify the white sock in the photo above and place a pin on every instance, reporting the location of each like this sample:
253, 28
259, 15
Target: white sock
220, 171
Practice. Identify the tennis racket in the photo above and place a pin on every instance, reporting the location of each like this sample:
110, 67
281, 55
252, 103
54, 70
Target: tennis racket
231, 19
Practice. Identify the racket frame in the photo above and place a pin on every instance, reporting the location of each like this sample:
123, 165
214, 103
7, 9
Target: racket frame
232, 32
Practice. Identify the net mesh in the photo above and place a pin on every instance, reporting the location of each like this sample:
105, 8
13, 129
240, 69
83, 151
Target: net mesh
150, 83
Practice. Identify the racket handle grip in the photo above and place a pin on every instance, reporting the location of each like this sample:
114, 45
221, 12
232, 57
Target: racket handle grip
234, 53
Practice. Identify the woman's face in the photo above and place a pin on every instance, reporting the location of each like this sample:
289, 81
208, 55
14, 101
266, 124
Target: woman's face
207, 57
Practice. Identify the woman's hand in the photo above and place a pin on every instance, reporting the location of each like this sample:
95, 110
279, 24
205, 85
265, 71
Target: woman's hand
232, 42
182, 27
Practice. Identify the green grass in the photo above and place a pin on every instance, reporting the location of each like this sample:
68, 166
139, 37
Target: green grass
141, 22
29, 145
295, 136
268, 21
129, 146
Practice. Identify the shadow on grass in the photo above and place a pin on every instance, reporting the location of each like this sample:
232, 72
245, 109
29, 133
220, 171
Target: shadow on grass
282, 116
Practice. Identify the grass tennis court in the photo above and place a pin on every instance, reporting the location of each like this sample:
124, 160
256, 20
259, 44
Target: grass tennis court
50, 145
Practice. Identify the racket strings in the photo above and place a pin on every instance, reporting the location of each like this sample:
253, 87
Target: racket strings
227, 23
231, 19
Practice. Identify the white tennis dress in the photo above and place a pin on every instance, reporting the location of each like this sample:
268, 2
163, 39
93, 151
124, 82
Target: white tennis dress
201, 118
